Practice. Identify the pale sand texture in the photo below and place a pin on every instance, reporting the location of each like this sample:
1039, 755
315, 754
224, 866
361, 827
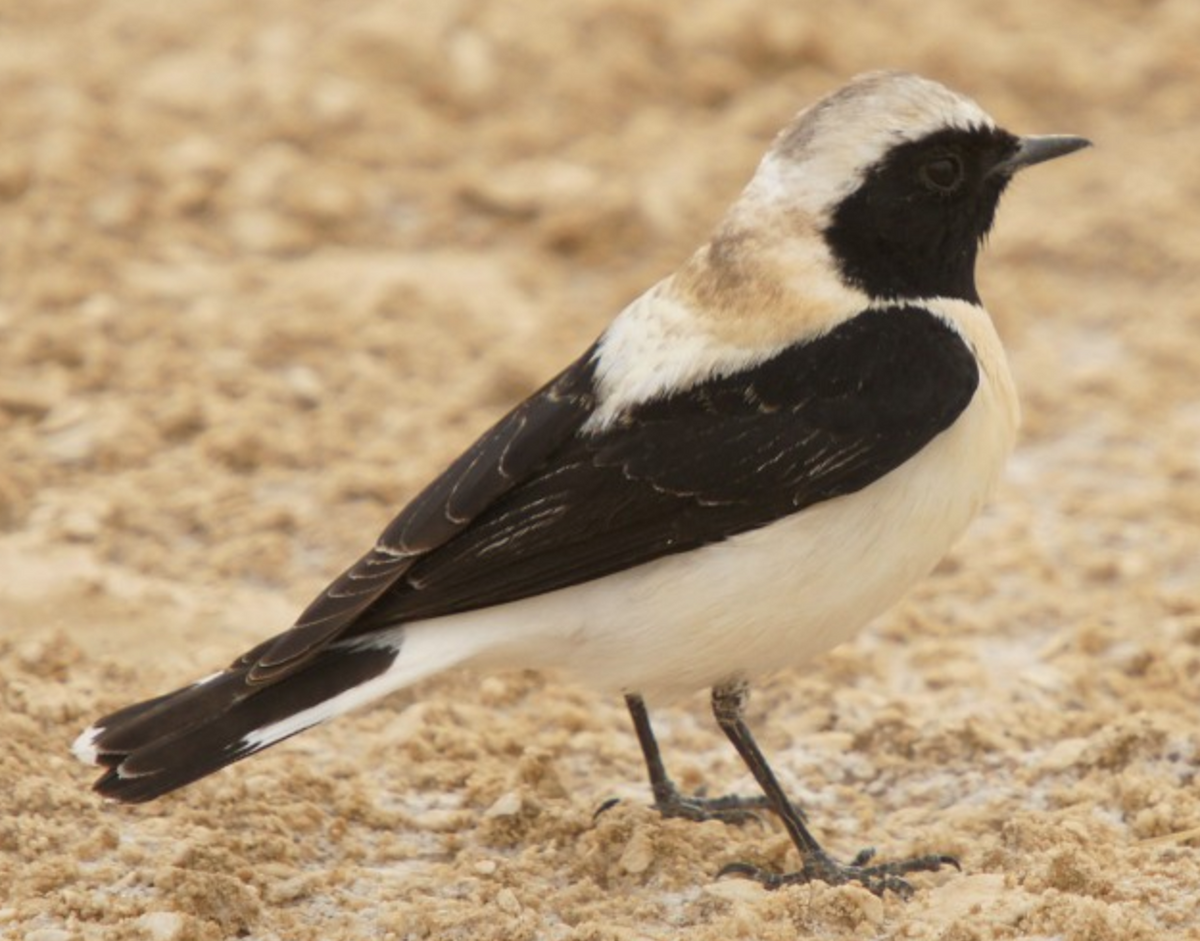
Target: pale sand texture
266, 267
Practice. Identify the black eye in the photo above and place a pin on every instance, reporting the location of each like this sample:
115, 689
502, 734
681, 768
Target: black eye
942, 174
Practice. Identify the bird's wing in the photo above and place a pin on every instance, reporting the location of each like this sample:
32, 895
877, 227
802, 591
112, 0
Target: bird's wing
507, 455
733, 453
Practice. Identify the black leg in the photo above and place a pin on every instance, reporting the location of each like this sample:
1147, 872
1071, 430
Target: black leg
667, 798
728, 703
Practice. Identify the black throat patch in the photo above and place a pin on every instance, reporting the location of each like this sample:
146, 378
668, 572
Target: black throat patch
913, 228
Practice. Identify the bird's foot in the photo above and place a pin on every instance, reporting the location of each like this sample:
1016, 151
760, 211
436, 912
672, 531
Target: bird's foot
878, 878
731, 808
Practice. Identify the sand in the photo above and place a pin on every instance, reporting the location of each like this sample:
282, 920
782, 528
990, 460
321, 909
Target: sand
264, 268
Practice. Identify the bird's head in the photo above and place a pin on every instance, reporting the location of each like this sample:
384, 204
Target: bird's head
900, 177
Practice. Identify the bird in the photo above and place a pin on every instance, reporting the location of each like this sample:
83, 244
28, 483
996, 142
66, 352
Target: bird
758, 456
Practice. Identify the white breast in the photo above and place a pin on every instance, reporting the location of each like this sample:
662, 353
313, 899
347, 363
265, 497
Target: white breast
773, 597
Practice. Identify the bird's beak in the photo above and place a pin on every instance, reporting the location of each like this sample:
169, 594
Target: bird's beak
1038, 149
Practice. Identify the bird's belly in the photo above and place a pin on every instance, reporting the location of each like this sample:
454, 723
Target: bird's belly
778, 596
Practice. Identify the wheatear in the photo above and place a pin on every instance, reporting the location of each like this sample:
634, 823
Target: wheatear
758, 456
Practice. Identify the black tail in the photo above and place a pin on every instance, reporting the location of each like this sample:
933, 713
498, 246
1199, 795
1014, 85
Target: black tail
164, 743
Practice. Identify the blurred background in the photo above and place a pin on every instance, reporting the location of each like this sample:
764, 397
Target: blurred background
265, 268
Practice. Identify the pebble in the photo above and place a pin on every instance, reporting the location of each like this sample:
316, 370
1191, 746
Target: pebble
305, 385
439, 821
48, 934
72, 445
531, 187
507, 902
638, 855
162, 926
508, 805
28, 399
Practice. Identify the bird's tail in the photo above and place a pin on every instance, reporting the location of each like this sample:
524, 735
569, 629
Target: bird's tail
164, 743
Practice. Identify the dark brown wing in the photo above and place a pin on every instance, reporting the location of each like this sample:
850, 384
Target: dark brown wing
818, 420
505, 456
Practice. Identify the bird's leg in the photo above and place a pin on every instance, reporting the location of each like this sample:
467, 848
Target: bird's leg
667, 797
728, 703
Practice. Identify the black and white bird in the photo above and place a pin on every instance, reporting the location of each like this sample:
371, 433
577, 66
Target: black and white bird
761, 453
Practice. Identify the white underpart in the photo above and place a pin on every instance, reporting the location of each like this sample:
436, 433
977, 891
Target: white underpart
754, 603
421, 655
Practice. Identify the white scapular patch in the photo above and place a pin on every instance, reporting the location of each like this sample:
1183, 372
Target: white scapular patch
657, 346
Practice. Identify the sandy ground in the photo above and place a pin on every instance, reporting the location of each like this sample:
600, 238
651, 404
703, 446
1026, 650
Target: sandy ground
266, 267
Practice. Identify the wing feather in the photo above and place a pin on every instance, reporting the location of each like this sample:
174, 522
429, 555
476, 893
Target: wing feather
817, 421
506, 454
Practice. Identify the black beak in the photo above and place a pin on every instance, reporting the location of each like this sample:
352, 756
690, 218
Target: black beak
1038, 149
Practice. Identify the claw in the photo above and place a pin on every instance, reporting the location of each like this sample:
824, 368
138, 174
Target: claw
764, 877
732, 808
878, 879
606, 806
739, 869
864, 856
700, 810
